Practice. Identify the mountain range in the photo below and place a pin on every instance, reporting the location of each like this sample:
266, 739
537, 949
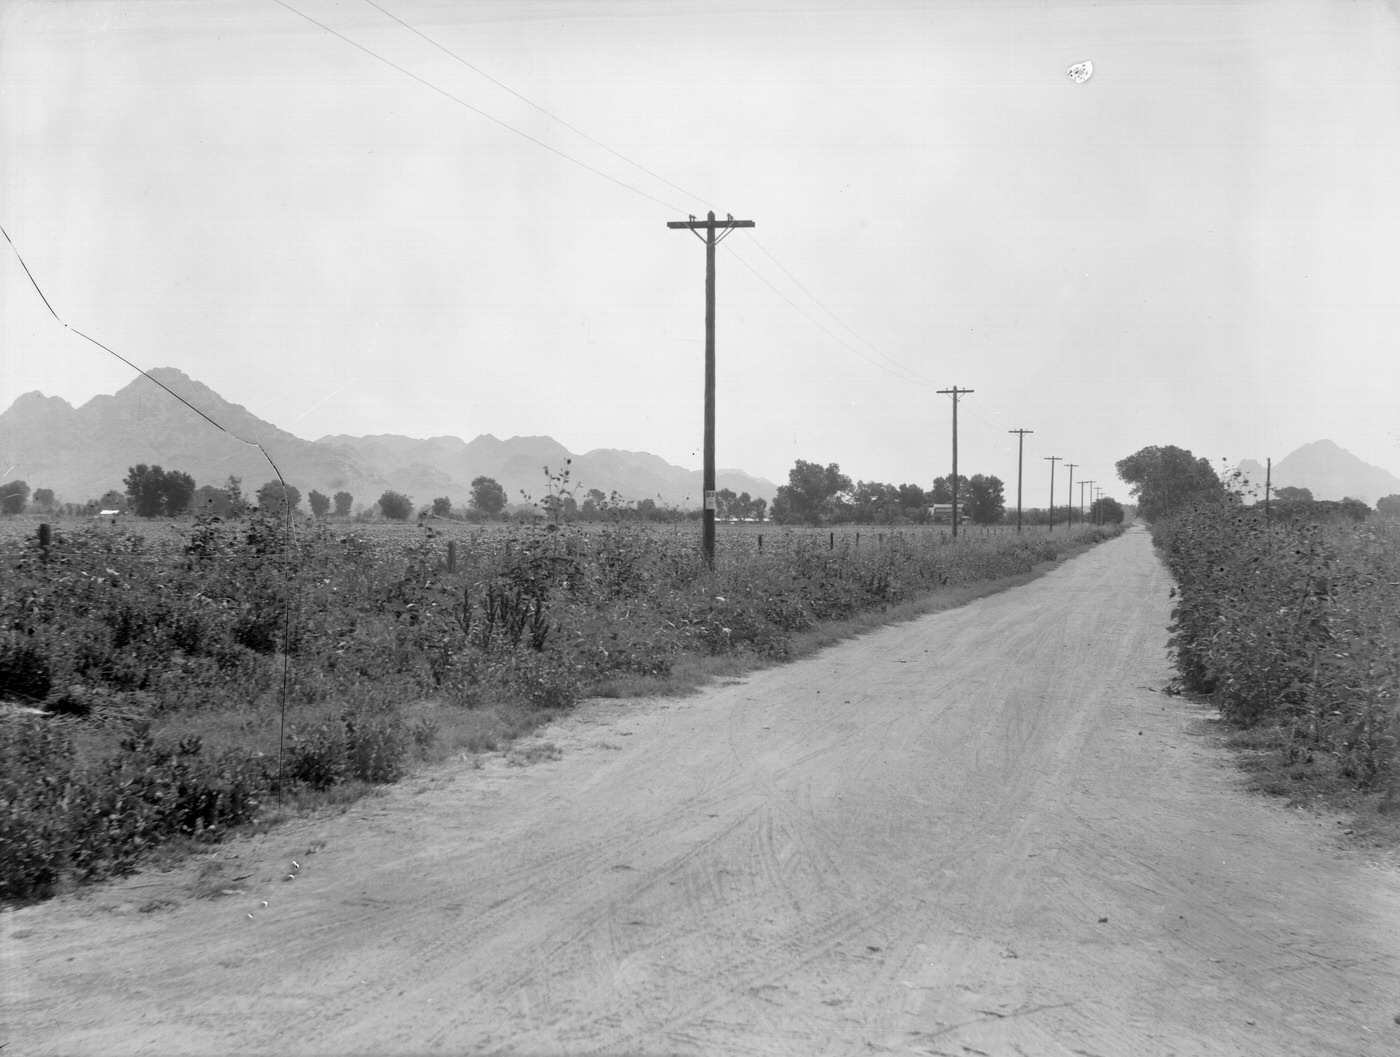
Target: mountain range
1328, 471
82, 452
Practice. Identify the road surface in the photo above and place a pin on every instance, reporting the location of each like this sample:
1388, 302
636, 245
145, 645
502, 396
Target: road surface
984, 831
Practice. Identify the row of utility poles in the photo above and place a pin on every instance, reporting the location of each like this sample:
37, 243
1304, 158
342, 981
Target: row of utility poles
956, 392
715, 232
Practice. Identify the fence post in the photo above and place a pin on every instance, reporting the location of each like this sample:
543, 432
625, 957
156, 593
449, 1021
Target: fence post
832, 545
760, 543
45, 537
451, 556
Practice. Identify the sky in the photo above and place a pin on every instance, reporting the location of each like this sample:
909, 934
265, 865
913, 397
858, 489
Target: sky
448, 217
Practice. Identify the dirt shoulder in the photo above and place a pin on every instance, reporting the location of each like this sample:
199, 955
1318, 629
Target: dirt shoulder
983, 830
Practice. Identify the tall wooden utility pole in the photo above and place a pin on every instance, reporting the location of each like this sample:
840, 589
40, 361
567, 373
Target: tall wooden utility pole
709, 226
1052, 460
1069, 498
1268, 485
955, 392
1020, 447
1081, 496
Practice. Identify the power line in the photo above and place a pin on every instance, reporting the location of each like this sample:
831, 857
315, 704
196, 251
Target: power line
898, 370
530, 102
288, 537
476, 110
907, 377
817, 301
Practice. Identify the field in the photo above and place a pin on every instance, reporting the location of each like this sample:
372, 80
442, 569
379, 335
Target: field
1290, 628
192, 674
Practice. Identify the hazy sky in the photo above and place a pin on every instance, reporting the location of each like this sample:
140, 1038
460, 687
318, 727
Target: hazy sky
1198, 246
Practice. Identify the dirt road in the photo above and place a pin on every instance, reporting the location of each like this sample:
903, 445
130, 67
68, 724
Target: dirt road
981, 832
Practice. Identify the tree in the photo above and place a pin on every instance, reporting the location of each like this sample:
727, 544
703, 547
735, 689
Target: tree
320, 504
154, 491
488, 496
1289, 492
43, 499
912, 499
112, 500
395, 506
985, 500
1106, 511
143, 488
1388, 505
943, 489
813, 493
209, 501
237, 503
1168, 480
343, 502
277, 498
176, 491
13, 495
442, 506
873, 503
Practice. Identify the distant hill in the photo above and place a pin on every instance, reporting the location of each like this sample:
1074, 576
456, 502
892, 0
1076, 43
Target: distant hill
1328, 471
83, 452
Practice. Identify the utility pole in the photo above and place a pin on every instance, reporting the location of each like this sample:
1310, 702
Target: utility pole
955, 392
1268, 485
1098, 506
709, 226
1020, 446
1052, 460
1069, 498
1081, 497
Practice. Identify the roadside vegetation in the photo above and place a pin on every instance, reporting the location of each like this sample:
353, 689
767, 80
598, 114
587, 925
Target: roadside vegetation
1285, 619
178, 680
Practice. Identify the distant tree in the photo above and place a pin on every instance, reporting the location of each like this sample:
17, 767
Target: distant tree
1167, 480
343, 502
209, 501
725, 501
13, 495
873, 503
943, 489
277, 498
442, 506
112, 500
985, 499
143, 489
1389, 505
154, 491
237, 502
813, 493
176, 492
320, 504
43, 499
488, 496
395, 506
758, 508
1106, 511
911, 498
1289, 492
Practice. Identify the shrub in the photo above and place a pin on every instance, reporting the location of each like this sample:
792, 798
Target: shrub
1290, 622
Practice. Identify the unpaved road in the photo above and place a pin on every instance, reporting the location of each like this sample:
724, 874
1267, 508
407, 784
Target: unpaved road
981, 832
